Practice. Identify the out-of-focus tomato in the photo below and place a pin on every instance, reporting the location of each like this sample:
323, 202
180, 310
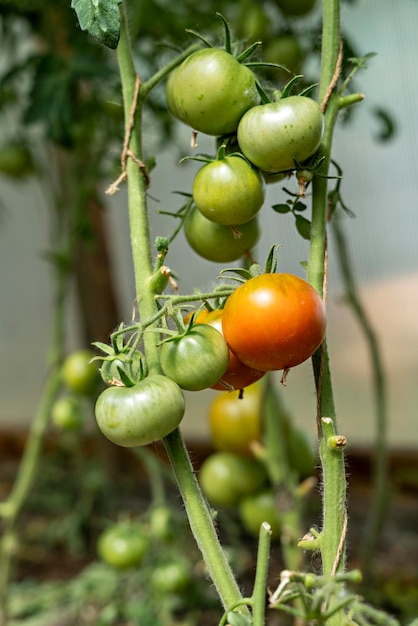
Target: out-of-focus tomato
235, 421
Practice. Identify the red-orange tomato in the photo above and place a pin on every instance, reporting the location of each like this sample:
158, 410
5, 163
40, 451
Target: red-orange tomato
235, 421
274, 321
238, 375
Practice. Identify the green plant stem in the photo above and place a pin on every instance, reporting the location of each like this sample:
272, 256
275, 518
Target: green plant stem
380, 490
199, 516
201, 522
260, 583
333, 470
11, 509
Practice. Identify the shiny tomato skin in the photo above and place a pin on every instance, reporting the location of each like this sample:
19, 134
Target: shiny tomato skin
197, 359
141, 414
235, 421
274, 321
219, 243
228, 191
273, 135
210, 91
225, 478
122, 545
237, 375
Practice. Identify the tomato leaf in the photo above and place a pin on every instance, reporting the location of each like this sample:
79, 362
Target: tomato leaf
100, 18
271, 262
299, 206
303, 226
281, 208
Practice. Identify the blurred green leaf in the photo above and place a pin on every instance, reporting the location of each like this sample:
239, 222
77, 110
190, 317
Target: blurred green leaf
100, 18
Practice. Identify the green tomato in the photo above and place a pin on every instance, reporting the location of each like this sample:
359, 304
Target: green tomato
123, 545
79, 374
210, 91
219, 243
296, 8
228, 191
258, 508
16, 160
162, 523
139, 415
284, 50
173, 577
225, 478
67, 413
273, 135
197, 359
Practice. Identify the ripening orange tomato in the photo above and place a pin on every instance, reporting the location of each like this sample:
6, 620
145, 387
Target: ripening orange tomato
274, 321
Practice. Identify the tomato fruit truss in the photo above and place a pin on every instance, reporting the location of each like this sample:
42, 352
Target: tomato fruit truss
225, 478
274, 321
219, 243
228, 190
210, 91
122, 545
237, 375
197, 359
141, 414
273, 135
235, 421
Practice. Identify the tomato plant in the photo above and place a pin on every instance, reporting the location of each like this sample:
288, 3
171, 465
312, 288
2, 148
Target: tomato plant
141, 414
197, 359
274, 321
67, 413
228, 190
257, 508
226, 478
237, 375
210, 91
272, 136
80, 374
235, 421
219, 243
123, 545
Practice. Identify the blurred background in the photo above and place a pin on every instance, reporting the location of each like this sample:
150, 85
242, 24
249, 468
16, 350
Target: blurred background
376, 148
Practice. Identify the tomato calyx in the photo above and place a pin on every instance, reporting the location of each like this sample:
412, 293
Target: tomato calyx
122, 365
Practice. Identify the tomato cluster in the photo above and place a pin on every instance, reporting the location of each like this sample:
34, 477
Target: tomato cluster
217, 94
232, 477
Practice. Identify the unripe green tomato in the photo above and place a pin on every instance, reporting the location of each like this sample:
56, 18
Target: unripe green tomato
284, 50
162, 523
173, 577
272, 136
226, 478
79, 374
123, 545
67, 413
219, 243
228, 191
257, 508
16, 160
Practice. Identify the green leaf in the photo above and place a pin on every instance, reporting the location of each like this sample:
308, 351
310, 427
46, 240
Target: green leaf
299, 206
100, 18
281, 208
303, 226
